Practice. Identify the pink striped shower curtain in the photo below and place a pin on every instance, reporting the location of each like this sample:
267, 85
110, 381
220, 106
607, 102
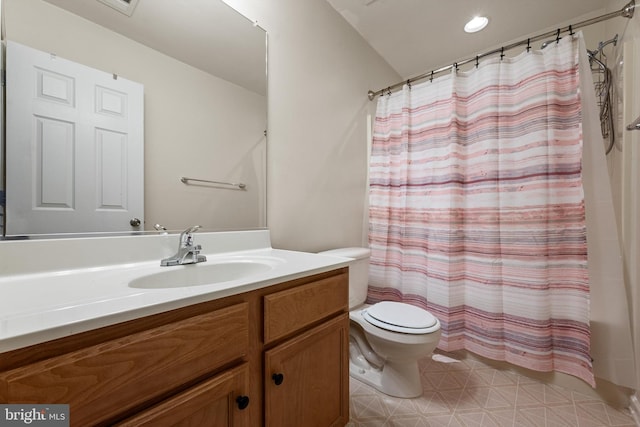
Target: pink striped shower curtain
477, 209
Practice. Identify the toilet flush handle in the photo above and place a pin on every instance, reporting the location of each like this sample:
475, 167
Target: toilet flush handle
277, 378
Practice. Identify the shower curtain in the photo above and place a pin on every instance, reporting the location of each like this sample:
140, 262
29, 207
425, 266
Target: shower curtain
477, 209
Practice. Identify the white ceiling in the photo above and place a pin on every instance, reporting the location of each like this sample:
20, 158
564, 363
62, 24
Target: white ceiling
413, 36
417, 36
206, 34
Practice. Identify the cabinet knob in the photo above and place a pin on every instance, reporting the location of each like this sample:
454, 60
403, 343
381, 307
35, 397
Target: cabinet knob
277, 378
242, 401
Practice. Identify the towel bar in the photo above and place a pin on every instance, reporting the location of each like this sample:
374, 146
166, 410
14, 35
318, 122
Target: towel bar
240, 185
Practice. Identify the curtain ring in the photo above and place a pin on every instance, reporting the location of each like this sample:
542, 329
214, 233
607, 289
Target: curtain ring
389, 91
528, 45
571, 30
455, 65
501, 53
409, 83
477, 60
558, 36
431, 79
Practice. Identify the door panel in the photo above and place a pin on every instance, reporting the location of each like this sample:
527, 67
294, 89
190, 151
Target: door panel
55, 164
111, 160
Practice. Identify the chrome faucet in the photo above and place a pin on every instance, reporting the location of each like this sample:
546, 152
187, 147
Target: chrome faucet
188, 253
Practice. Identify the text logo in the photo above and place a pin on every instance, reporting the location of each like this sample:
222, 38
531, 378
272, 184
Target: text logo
34, 415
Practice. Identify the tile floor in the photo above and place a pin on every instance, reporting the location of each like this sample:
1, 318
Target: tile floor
468, 392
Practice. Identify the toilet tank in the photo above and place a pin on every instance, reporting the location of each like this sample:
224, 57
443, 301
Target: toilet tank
358, 273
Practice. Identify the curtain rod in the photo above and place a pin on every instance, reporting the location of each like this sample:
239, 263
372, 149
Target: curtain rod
626, 12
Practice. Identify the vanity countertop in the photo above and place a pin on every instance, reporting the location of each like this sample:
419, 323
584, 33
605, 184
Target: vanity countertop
45, 305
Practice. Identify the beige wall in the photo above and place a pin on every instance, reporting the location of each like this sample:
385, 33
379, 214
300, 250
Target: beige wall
320, 70
196, 125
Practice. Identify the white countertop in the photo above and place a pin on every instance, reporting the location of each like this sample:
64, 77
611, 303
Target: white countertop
45, 305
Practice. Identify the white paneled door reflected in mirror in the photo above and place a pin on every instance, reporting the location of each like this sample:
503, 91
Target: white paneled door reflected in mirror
203, 69
75, 137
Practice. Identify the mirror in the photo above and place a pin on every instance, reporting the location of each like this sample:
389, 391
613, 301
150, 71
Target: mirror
203, 68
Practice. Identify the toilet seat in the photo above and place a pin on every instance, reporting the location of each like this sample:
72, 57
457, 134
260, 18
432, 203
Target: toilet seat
401, 317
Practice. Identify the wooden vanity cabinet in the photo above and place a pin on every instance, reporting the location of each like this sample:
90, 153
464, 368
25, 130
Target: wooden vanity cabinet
206, 364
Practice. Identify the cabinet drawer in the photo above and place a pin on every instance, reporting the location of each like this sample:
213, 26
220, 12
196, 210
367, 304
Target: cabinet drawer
290, 310
210, 403
117, 375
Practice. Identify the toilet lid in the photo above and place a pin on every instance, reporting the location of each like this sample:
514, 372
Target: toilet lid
401, 317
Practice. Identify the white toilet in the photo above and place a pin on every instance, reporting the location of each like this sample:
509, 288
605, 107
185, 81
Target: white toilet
386, 339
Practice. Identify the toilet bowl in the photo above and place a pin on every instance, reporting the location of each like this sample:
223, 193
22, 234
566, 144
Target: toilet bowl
386, 339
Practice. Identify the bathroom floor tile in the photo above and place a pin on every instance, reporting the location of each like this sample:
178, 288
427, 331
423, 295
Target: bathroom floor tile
466, 392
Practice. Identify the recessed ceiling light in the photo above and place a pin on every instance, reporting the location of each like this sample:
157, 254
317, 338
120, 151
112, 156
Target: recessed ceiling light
476, 24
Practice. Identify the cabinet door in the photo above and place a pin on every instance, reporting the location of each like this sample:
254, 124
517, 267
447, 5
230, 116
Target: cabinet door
220, 401
307, 378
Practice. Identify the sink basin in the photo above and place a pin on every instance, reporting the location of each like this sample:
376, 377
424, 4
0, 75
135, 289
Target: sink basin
206, 273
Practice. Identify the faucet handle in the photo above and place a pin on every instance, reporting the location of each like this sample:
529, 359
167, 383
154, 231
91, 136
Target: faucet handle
186, 238
191, 229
